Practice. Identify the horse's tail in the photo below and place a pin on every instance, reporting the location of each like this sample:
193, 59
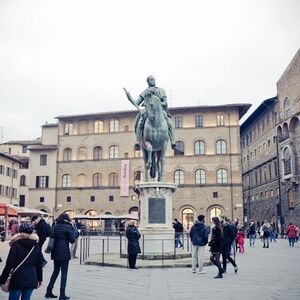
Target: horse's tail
153, 167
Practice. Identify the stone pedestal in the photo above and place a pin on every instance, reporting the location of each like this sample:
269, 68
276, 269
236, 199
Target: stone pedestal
156, 217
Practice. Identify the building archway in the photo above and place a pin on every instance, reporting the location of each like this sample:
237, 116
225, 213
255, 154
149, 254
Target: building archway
71, 213
187, 217
214, 211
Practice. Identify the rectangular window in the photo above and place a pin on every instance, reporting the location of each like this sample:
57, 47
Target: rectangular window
69, 198
43, 160
68, 129
111, 198
24, 149
41, 181
220, 120
178, 122
42, 199
215, 194
22, 201
198, 121
92, 198
2, 169
8, 171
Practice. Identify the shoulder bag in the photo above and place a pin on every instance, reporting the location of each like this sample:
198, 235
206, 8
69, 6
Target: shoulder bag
50, 245
5, 286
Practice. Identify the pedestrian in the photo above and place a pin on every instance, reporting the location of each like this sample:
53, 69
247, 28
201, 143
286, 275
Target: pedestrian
266, 229
291, 234
25, 261
133, 248
252, 234
63, 233
199, 237
73, 247
40, 227
216, 246
178, 227
230, 232
241, 240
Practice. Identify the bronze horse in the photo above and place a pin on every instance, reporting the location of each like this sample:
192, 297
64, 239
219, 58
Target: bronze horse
155, 138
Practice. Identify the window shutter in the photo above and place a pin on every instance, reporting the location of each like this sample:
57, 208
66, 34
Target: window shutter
47, 181
37, 181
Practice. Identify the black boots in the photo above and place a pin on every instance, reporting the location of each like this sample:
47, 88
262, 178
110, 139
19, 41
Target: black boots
64, 297
50, 295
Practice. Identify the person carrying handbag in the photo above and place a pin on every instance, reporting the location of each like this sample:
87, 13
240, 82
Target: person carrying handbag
24, 264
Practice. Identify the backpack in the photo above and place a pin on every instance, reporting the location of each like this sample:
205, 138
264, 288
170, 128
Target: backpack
48, 229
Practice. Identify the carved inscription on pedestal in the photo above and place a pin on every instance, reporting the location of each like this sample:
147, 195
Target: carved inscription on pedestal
157, 210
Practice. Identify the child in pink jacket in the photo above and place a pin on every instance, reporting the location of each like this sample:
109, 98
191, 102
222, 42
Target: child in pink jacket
240, 240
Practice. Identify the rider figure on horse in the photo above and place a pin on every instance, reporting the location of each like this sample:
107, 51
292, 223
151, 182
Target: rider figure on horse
142, 115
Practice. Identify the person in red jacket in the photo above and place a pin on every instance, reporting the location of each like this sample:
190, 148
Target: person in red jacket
240, 240
292, 234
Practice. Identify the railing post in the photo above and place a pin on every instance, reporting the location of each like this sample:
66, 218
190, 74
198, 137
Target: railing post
120, 245
143, 241
107, 246
80, 247
83, 249
162, 253
174, 248
86, 247
102, 252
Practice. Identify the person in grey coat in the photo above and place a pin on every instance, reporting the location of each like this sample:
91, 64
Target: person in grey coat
199, 237
133, 235
63, 234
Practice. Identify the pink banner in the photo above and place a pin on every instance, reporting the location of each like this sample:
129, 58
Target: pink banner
124, 178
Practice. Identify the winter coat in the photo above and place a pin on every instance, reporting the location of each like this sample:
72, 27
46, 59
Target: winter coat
240, 237
217, 242
291, 232
266, 228
63, 234
30, 273
229, 231
252, 229
133, 235
41, 230
199, 234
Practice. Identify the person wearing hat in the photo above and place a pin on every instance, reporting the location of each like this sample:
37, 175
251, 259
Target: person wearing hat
29, 275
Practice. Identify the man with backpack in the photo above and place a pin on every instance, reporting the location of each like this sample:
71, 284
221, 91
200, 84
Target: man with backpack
178, 233
43, 231
199, 237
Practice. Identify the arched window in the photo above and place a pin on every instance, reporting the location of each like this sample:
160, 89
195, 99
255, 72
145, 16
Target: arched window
98, 127
179, 150
287, 164
113, 179
97, 153
82, 153
200, 176
221, 147
114, 125
66, 180
97, 180
138, 177
187, 218
71, 213
113, 151
67, 156
199, 148
291, 201
222, 176
23, 180
215, 212
287, 108
179, 177
81, 180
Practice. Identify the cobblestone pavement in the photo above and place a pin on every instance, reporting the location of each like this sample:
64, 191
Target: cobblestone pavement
263, 274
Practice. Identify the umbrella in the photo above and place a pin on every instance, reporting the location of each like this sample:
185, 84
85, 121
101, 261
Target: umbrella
7, 209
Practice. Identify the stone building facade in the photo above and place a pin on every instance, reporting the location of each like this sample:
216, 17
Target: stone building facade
270, 142
206, 164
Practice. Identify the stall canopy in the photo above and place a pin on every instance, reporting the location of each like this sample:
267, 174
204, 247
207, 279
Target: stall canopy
104, 217
6, 209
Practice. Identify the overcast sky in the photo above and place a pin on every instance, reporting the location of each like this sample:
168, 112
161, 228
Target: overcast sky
73, 57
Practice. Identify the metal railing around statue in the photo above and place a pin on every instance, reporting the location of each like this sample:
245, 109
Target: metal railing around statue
108, 247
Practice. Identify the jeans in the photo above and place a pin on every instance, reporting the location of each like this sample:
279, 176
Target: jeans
15, 294
291, 242
178, 242
226, 255
197, 257
63, 266
252, 239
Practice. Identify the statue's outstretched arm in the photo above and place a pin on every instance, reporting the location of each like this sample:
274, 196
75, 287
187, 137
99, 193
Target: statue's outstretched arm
130, 99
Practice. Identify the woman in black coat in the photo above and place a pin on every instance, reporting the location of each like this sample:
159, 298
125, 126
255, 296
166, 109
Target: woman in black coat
133, 235
29, 275
63, 234
216, 245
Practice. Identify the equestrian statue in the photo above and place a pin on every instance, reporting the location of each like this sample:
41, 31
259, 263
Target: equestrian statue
153, 128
